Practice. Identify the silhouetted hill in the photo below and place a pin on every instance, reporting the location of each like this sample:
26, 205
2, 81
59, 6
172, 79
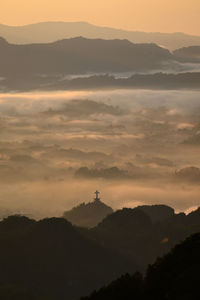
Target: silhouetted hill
157, 212
136, 234
92, 213
51, 31
50, 259
126, 219
191, 53
3, 41
130, 231
127, 287
88, 214
80, 55
174, 276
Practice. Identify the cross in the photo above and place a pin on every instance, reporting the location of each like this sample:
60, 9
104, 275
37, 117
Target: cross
97, 194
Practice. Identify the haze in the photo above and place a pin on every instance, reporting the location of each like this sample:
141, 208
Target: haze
143, 15
128, 144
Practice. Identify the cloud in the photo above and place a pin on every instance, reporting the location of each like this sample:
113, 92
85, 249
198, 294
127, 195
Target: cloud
106, 173
191, 174
193, 140
78, 108
159, 161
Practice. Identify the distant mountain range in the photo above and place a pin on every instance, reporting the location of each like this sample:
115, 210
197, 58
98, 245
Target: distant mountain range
51, 31
157, 81
80, 56
191, 53
151, 81
80, 63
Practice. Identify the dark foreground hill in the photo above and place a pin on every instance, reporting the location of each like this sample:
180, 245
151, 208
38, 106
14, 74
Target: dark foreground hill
141, 235
50, 259
46, 32
157, 213
80, 56
173, 277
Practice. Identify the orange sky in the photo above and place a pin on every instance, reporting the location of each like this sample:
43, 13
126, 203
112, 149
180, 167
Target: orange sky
145, 15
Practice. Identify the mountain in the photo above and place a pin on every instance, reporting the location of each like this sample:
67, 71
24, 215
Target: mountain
157, 212
46, 32
174, 276
189, 54
52, 66
131, 232
50, 259
79, 56
88, 214
142, 234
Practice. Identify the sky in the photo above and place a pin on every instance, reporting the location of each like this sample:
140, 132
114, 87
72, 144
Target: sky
143, 15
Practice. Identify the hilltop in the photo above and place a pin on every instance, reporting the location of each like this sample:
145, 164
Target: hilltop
88, 214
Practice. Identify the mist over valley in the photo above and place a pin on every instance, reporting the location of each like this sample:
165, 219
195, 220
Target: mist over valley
137, 147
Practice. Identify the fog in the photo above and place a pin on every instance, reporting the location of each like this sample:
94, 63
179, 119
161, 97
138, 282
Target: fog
136, 147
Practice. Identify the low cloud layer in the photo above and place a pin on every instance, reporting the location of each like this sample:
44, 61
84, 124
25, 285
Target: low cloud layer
136, 146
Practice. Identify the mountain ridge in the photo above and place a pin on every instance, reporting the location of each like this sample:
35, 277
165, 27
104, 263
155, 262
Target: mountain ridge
80, 55
51, 31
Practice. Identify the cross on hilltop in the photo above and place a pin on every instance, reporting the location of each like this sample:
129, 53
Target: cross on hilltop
97, 196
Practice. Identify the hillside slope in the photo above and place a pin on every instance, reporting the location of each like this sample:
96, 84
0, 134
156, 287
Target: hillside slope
174, 276
50, 259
